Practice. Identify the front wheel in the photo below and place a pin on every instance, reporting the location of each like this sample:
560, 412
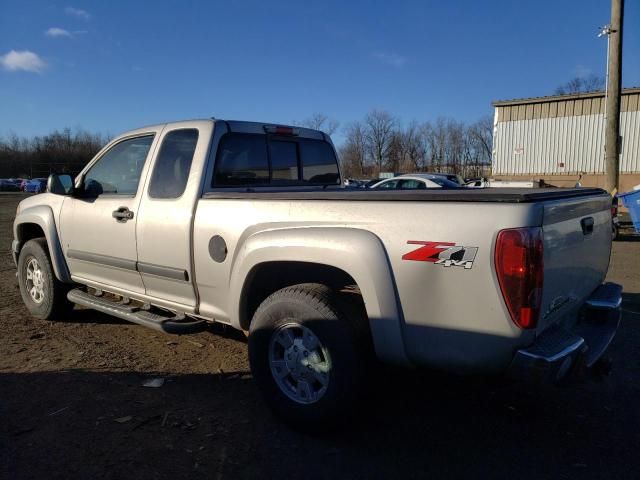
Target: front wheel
308, 356
42, 293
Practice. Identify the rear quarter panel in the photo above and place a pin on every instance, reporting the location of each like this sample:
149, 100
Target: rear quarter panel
451, 317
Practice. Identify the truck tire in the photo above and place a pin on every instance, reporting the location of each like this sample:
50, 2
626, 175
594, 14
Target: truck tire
42, 293
308, 358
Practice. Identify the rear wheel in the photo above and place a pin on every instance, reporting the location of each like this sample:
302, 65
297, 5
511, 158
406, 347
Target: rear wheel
308, 356
42, 293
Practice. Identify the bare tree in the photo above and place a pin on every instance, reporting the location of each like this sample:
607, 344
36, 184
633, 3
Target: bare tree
353, 153
396, 153
580, 85
435, 135
414, 146
319, 121
455, 146
59, 151
379, 132
482, 132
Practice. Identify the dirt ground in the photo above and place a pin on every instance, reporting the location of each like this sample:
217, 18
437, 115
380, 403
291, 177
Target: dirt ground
72, 405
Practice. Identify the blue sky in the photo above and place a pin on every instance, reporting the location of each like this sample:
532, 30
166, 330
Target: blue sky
111, 66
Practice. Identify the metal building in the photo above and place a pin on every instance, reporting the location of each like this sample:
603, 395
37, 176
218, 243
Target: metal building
558, 138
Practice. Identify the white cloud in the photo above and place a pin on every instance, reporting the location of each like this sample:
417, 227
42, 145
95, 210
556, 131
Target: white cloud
23, 60
582, 71
76, 12
389, 58
57, 32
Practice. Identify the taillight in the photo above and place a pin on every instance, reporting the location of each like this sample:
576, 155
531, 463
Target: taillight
520, 269
281, 130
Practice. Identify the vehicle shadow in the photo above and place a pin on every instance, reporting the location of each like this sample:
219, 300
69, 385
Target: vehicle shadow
83, 423
87, 316
627, 235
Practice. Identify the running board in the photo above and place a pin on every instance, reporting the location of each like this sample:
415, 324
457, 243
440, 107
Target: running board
168, 324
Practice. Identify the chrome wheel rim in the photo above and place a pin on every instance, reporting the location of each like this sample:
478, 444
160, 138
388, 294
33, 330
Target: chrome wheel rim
34, 281
299, 363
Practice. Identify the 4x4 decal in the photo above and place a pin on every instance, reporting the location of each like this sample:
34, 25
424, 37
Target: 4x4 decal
446, 254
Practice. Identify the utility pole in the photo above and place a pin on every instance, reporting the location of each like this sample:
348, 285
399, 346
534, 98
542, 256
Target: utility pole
612, 141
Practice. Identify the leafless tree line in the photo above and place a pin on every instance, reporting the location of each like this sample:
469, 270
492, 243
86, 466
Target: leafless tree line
589, 83
59, 151
319, 121
380, 143
375, 144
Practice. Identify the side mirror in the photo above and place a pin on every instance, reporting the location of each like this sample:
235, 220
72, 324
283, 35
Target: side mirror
60, 184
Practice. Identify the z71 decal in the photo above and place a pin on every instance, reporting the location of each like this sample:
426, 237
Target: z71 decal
442, 253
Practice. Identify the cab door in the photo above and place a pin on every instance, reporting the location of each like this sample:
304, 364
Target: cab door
98, 225
167, 208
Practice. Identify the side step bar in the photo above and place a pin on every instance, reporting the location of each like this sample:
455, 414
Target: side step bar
168, 324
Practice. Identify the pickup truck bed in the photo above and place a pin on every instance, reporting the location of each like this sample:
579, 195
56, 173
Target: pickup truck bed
503, 195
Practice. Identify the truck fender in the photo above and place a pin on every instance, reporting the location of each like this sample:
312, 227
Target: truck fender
42, 215
357, 252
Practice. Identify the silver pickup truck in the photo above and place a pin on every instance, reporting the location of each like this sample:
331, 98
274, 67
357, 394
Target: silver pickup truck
177, 225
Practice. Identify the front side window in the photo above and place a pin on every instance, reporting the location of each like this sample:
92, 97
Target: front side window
118, 171
390, 185
171, 170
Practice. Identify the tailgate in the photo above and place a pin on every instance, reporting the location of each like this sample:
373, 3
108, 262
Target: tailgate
577, 245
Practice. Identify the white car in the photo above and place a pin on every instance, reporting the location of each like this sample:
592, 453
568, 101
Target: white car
414, 182
452, 177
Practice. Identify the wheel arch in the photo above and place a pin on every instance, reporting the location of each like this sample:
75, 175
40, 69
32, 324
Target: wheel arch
37, 222
272, 259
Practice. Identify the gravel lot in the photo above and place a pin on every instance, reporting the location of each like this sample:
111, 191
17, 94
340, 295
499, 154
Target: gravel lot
64, 386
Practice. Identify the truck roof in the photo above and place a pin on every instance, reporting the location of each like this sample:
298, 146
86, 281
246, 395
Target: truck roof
235, 126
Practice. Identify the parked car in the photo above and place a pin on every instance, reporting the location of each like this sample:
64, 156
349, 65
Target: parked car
8, 186
354, 183
452, 177
372, 182
418, 181
247, 224
23, 184
37, 185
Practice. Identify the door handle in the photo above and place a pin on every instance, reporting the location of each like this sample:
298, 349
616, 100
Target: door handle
122, 214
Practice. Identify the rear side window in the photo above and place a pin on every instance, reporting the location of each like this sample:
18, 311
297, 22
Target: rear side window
171, 170
412, 185
254, 159
118, 171
242, 160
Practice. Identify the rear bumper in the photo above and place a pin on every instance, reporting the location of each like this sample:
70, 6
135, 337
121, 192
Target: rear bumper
558, 352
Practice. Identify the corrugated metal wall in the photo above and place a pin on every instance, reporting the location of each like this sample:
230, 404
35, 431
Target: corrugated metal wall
562, 134
562, 145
